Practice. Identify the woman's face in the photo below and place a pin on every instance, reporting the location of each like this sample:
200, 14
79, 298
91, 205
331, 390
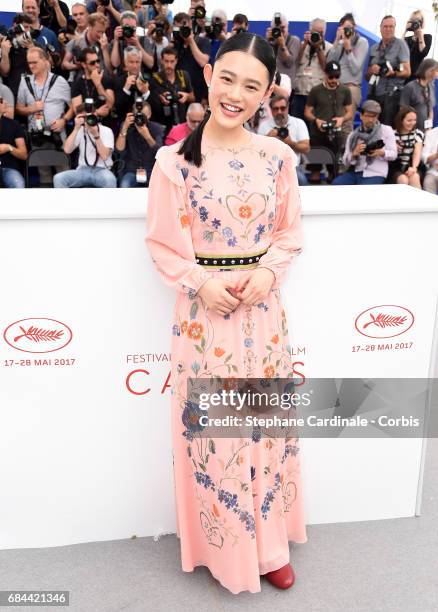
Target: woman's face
238, 83
410, 121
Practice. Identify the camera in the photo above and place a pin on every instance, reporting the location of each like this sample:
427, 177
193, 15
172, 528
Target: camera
276, 30
128, 31
415, 25
348, 32
385, 67
90, 118
104, 2
373, 146
200, 12
18, 36
159, 29
239, 30
315, 38
282, 132
330, 129
214, 29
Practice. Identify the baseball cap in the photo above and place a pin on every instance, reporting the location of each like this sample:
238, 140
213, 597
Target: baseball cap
371, 106
333, 69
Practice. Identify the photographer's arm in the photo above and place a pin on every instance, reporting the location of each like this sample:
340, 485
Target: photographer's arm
201, 58
356, 57
115, 51
322, 59
103, 151
70, 142
5, 62
406, 72
19, 151
59, 14
24, 110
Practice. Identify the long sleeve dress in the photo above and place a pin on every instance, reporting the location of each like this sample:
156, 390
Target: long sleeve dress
238, 502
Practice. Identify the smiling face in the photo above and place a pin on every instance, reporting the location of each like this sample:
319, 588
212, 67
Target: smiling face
409, 122
238, 83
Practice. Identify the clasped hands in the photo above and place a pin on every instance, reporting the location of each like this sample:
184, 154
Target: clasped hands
224, 296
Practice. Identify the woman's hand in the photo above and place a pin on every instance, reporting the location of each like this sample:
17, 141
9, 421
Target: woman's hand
255, 285
215, 294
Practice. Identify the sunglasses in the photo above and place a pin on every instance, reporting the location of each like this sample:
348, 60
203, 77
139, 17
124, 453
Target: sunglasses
333, 77
93, 62
279, 108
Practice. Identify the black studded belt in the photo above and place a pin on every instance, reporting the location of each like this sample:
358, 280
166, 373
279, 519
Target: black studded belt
225, 261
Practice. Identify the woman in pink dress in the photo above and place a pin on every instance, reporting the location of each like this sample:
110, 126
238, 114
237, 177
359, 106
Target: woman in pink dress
223, 224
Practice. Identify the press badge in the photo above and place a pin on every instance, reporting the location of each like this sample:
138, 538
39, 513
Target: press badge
141, 175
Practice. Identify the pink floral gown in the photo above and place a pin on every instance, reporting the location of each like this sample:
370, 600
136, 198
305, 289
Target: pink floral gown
238, 501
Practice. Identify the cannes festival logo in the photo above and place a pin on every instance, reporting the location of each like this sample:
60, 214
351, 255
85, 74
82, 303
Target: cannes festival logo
38, 335
384, 321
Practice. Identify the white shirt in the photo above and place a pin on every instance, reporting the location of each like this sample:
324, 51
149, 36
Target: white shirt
297, 130
87, 148
430, 147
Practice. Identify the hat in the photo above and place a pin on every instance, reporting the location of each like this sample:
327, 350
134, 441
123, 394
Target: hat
333, 68
371, 106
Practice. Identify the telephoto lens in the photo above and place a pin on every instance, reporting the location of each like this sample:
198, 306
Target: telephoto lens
128, 31
315, 37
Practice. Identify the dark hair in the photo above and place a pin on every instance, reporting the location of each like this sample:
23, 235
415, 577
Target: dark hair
387, 17
347, 17
22, 18
399, 118
180, 17
426, 65
249, 43
240, 18
82, 55
274, 99
169, 51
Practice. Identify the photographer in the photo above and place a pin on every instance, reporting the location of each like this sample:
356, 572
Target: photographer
7, 101
420, 93
54, 14
291, 130
19, 39
125, 35
171, 91
387, 70
240, 24
195, 116
286, 48
111, 9
96, 144
155, 11
47, 39
197, 14
12, 150
80, 16
419, 43
193, 53
95, 37
130, 84
368, 149
216, 31
92, 83
139, 139
349, 51
328, 106
42, 98
157, 38
311, 62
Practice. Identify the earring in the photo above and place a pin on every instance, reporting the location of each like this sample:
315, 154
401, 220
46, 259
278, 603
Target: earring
261, 104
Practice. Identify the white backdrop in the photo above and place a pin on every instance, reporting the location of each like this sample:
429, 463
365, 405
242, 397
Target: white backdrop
85, 446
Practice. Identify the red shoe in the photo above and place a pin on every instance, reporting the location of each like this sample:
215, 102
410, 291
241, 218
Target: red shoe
282, 578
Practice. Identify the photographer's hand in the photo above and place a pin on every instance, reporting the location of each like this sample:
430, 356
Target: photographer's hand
142, 86
319, 123
377, 153
129, 120
58, 125
118, 33
358, 149
374, 69
273, 132
130, 82
163, 99
38, 106
183, 95
338, 121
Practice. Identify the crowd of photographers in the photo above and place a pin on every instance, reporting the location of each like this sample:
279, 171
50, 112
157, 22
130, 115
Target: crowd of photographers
109, 82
